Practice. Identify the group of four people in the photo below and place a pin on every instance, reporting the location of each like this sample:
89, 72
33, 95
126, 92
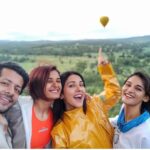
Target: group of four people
60, 114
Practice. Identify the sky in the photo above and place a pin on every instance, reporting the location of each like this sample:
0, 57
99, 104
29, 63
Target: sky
31, 20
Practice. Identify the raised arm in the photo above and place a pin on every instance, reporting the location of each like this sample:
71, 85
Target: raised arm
112, 90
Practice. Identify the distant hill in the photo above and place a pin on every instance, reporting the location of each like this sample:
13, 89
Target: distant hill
72, 47
141, 39
126, 54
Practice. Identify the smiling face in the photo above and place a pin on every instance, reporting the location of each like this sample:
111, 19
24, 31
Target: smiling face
53, 86
10, 87
73, 92
133, 92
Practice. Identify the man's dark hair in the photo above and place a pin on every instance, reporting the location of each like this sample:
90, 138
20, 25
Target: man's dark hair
15, 67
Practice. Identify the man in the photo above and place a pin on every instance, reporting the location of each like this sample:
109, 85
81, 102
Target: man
13, 79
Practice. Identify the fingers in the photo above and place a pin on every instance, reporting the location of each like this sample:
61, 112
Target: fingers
105, 62
100, 52
101, 59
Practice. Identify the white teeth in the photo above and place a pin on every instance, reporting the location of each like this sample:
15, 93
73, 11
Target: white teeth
128, 95
78, 96
54, 91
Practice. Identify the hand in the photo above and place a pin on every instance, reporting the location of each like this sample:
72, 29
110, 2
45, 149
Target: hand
101, 59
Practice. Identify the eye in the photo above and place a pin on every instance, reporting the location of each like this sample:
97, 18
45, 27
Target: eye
138, 89
4, 83
82, 84
58, 81
127, 84
71, 85
17, 90
49, 81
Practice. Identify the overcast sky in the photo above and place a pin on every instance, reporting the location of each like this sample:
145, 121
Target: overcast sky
73, 19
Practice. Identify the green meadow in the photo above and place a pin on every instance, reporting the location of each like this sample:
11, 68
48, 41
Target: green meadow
126, 55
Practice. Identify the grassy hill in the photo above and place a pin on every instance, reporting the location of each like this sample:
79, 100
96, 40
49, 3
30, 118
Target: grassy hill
127, 56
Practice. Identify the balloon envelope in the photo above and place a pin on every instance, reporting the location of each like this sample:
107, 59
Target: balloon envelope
104, 20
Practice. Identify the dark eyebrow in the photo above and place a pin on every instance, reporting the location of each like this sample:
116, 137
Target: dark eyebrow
140, 86
74, 82
70, 82
13, 83
136, 85
52, 78
127, 82
8, 80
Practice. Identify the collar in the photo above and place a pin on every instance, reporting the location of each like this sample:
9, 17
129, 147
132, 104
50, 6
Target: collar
74, 114
126, 126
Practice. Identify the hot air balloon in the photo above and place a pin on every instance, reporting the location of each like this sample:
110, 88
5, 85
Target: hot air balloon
104, 20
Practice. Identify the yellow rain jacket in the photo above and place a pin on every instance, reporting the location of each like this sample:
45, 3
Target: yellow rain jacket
93, 129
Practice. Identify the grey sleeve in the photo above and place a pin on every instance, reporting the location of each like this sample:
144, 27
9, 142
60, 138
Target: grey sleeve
15, 122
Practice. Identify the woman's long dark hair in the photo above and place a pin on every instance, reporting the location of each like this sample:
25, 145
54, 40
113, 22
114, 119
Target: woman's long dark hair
146, 82
59, 105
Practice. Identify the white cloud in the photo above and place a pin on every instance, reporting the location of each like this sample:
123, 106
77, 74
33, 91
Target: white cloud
72, 19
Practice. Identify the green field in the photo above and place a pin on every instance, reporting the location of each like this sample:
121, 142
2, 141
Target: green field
126, 55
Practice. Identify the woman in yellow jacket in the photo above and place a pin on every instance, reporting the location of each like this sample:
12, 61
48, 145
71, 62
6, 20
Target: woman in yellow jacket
82, 121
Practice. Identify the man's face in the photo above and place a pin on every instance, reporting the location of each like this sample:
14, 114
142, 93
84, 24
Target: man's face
10, 87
